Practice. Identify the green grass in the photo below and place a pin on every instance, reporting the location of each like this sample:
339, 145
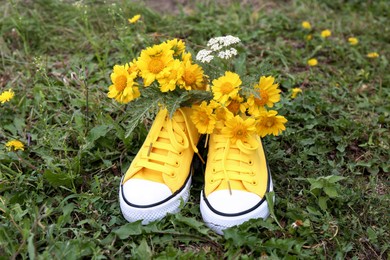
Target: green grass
58, 197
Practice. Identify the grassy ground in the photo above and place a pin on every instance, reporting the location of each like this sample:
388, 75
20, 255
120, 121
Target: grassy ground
58, 197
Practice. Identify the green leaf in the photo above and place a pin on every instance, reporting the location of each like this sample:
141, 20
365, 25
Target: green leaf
138, 110
192, 222
143, 251
331, 191
129, 229
334, 178
322, 202
372, 236
58, 179
97, 132
270, 197
177, 103
31, 247
238, 238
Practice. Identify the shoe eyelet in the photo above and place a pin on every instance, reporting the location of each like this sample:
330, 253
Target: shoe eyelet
177, 164
211, 181
214, 171
180, 153
252, 174
254, 183
250, 162
172, 174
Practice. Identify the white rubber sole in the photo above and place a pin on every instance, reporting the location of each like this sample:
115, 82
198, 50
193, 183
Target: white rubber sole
155, 211
218, 222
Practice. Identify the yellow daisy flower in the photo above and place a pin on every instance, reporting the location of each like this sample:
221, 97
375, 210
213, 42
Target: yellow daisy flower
312, 62
353, 40
306, 25
176, 71
123, 88
236, 105
309, 37
135, 18
133, 67
153, 63
237, 128
268, 92
178, 46
326, 33
192, 77
6, 96
270, 123
295, 92
14, 145
203, 118
186, 56
226, 86
373, 55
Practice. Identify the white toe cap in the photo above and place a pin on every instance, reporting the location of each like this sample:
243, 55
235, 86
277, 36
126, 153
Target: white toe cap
238, 201
143, 192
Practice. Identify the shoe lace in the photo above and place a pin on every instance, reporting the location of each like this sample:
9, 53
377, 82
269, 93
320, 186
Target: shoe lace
235, 160
171, 137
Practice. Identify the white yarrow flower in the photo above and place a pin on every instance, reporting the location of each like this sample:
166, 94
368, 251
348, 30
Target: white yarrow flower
218, 46
204, 56
227, 54
225, 41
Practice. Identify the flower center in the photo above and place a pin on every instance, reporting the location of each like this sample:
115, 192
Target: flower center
156, 65
189, 78
120, 83
269, 122
240, 132
264, 98
226, 88
234, 106
203, 117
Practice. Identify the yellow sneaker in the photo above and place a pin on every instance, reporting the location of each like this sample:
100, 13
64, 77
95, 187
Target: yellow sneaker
236, 181
159, 177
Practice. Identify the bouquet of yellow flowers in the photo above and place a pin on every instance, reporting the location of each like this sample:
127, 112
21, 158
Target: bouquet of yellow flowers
165, 75
191, 102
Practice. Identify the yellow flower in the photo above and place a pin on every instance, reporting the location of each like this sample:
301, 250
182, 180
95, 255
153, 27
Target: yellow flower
226, 86
326, 33
236, 105
192, 76
6, 96
373, 55
270, 123
203, 118
133, 67
169, 82
237, 128
306, 25
123, 88
312, 62
309, 37
178, 46
353, 40
135, 18
295, 92
153, 63
221, 113
14, 145
268, 92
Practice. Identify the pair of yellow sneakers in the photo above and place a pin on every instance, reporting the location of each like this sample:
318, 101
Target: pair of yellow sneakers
159, 178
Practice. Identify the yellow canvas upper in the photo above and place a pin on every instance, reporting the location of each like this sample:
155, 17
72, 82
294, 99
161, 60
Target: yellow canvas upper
242, 166
167, 152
